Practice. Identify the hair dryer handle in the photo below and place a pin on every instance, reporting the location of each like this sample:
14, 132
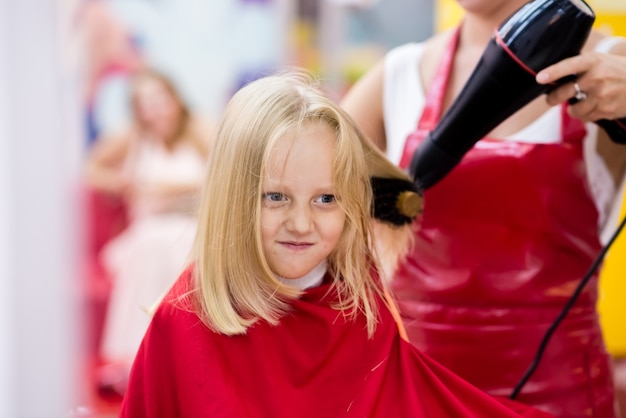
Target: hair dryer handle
615, 128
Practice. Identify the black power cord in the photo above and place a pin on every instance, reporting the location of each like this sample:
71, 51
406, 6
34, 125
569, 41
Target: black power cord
564, 311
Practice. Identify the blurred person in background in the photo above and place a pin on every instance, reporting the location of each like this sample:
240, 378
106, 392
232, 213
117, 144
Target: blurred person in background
505, 238
156, 166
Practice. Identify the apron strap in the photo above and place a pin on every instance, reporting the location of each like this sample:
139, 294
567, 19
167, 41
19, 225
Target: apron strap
439, 86
434, 101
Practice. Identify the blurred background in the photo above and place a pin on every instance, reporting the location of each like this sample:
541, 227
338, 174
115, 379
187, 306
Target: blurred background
65, 75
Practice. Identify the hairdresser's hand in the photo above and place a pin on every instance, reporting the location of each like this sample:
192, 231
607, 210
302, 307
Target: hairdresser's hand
602, 78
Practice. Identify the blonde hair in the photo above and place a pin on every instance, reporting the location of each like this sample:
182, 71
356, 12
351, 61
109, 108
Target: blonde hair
233, 284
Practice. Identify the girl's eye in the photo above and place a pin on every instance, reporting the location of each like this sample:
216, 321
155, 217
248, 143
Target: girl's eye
274, 196
326, 198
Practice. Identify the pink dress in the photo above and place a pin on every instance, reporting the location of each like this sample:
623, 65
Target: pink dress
147, 257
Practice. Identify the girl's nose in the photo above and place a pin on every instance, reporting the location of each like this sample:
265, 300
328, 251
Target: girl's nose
300, 219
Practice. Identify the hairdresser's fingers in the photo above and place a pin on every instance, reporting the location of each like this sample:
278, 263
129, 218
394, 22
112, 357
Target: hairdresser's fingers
574, 65
572, 91
585, 110
572, 69
603, 86
587, 101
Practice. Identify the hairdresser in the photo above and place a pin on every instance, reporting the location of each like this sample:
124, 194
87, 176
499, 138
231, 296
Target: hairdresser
508, 234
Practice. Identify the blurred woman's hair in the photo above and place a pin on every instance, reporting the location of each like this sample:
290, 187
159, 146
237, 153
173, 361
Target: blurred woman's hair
184, 129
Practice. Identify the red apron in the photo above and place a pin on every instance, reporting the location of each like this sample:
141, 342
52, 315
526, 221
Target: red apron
501, 244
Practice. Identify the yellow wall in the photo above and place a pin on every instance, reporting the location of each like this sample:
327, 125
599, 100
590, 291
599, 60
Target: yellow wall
611, 19
447, 14
612, 300
610, 15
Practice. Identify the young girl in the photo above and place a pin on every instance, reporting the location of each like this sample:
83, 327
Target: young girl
281, 313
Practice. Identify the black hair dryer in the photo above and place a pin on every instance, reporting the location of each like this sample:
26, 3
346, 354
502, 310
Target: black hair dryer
539, 34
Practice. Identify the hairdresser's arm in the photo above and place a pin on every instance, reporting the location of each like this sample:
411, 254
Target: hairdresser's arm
364, 102
103, 169
602, 75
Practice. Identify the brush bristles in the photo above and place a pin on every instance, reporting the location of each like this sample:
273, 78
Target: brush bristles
396, 201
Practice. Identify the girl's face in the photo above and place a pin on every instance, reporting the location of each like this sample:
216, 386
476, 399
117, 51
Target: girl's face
301, 221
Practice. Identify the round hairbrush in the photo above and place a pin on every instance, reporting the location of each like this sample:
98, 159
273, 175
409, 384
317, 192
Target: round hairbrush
396, 201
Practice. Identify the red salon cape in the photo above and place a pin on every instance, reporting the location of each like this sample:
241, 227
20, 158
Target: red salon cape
315, 364
502, 242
